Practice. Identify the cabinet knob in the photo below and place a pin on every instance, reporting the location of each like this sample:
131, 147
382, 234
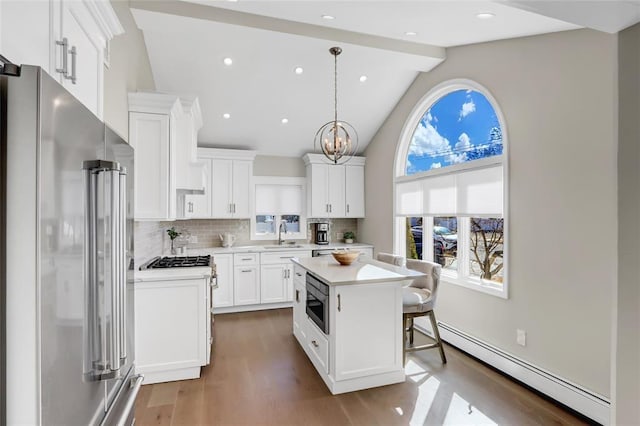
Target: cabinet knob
315, 343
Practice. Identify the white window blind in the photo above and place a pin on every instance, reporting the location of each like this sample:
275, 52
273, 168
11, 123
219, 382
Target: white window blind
278, 199
477, 192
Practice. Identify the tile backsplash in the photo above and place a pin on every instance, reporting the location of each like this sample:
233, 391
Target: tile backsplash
151, 238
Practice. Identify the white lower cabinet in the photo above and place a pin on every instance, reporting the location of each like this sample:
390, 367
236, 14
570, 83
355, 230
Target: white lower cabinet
223, 295
299, 309
317, 347
276, 276
246, 285
364, 351
273, 283
171, 332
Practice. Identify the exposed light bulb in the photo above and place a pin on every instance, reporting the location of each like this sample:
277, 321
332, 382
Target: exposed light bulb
299, 70
226, 116
228, 61
363, 78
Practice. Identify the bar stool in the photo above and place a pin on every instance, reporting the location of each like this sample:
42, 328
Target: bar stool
419, 299
391, 258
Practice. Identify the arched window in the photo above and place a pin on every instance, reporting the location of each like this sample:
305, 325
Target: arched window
450, 185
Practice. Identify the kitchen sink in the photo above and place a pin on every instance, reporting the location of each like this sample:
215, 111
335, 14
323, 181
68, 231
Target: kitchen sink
283, 247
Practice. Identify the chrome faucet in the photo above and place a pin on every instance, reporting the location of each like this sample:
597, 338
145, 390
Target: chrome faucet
283, 224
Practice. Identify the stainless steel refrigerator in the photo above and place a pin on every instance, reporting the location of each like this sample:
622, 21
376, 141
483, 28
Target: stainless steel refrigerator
68, 198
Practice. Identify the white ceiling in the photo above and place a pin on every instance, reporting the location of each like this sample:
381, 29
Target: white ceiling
187, 43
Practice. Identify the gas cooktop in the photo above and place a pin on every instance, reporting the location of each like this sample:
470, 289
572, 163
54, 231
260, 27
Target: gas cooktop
177, 262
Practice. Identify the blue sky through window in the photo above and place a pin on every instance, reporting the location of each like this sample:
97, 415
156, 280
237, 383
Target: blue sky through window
459, 127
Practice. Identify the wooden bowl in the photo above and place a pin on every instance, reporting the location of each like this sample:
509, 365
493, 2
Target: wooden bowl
345, 257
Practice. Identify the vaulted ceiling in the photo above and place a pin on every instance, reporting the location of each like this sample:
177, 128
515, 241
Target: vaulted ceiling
187, 43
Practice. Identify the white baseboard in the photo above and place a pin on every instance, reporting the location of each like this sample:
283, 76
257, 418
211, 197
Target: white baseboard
584, 401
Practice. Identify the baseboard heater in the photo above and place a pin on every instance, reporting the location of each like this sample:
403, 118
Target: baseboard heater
585, 402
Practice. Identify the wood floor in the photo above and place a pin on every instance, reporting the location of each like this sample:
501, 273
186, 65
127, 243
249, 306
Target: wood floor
260, 375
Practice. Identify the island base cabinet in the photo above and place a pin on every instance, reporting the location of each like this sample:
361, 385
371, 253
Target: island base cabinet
364, 350
171, 338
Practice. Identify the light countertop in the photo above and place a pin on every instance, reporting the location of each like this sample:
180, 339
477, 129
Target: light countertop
365, 271
263, 249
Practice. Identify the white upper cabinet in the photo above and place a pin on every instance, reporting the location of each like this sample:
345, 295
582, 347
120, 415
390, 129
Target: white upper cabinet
199, 206
228, 192
354, 191
189, 173
334, 190
152, 133
68, 39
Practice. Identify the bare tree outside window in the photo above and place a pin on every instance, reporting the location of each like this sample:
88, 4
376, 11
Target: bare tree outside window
487, 245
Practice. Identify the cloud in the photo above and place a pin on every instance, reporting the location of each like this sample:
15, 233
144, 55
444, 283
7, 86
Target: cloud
436, 165
467, 108
427, 141
464, 142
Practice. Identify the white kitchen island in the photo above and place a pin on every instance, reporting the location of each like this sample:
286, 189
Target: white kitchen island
363, 346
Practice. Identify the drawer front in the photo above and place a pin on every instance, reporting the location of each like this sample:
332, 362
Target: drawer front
282, 256
317, 346
246, 259
299, 274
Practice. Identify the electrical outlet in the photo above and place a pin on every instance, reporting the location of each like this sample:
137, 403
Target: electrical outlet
193, 239
521, 337
340, 235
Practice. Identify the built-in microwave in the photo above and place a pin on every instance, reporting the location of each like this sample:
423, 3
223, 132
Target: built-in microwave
318, 302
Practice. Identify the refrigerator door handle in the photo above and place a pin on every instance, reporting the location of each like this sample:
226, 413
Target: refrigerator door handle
119, 416
114, 273
104, 282
122, 247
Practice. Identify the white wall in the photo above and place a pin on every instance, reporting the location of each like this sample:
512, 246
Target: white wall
626, 374
129, 70
270, 165
558, 94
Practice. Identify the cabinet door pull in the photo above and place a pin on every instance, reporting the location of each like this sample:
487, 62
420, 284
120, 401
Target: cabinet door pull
339, 304
298, 274
297, 295
73, 52
287, 257
247, 258
65, 52
347, 208
190, 209
315, 343
330, 208
245, 270
234, 207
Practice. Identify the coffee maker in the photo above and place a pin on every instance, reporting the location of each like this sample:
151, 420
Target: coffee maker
321, 233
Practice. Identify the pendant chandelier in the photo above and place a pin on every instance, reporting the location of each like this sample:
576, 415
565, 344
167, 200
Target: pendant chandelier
338, 140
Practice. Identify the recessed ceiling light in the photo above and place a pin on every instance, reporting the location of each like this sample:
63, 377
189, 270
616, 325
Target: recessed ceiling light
228, 61
485, 15
299, 70
328, 17
363, 78
284, 121
411, 33
226, 115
